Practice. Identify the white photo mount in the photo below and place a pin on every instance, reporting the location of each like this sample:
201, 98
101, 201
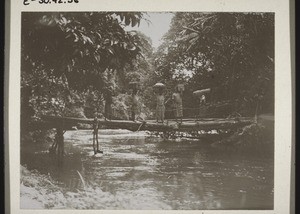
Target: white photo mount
283, 87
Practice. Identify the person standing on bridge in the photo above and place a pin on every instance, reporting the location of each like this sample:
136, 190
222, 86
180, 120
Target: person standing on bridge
160, 101
160, 106
177, 102
135, 102
135, 108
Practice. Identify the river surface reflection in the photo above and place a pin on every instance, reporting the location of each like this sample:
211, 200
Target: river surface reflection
151, 173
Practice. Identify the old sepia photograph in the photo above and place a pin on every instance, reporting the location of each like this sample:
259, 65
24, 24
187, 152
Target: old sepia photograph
147, 110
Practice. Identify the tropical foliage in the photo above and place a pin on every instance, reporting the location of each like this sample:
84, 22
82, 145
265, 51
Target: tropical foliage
231, 53
69, 58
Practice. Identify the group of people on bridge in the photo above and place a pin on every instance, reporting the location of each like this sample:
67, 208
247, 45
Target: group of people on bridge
177, 102
159, 90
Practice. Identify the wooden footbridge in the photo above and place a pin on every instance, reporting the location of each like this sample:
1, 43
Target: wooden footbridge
61, 124
205, 124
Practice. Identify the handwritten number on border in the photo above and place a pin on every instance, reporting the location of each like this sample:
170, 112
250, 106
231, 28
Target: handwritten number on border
27, 2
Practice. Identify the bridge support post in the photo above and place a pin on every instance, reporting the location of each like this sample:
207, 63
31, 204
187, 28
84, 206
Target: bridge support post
58, 146
95, 136
60, 141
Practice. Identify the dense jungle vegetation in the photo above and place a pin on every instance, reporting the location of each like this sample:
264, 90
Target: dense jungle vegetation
68, 60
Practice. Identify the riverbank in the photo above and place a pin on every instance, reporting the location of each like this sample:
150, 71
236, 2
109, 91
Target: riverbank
254, 139
38, 191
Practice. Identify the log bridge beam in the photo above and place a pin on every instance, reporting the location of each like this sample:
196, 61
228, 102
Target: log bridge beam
206, 124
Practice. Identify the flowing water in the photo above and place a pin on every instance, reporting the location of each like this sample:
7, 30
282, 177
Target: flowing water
147, 172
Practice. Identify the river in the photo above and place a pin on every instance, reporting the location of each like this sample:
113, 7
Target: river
145, 172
